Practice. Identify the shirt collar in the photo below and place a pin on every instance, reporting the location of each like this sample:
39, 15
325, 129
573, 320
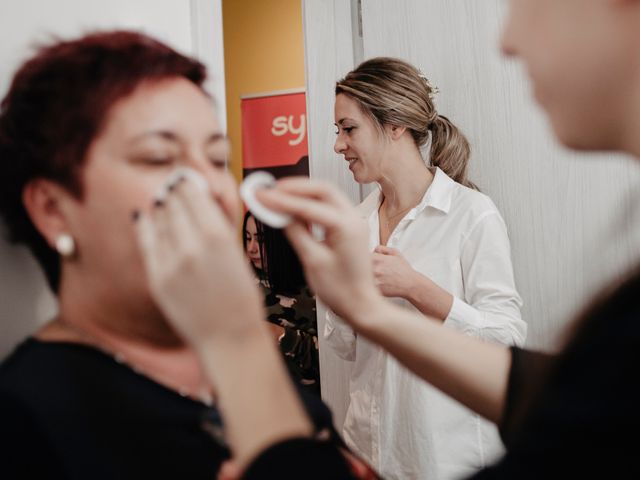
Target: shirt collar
439, 193
437, 196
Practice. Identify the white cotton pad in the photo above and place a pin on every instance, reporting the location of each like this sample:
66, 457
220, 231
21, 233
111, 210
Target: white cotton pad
176, 175
248, 188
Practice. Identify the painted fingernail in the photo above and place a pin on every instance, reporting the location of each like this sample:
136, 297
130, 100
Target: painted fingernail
135, 215
176, 182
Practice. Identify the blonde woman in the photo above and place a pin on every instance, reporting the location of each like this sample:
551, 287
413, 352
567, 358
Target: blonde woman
440, 247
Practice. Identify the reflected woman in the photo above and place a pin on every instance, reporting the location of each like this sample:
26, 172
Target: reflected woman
291, 306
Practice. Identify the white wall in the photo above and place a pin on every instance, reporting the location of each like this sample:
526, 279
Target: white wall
329, 53
570, 217
193, 27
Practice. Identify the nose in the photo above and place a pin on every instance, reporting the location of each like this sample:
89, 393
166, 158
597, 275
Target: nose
507, 41
340, 146
253, 246
506, 47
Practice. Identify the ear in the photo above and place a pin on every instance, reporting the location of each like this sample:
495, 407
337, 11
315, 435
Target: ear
394, 132
44, 201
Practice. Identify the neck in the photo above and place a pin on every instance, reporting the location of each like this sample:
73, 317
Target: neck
134, 318
632, 139
139, 334
406, 181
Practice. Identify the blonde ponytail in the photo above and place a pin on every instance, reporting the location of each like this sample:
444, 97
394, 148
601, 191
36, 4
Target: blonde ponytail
450, 150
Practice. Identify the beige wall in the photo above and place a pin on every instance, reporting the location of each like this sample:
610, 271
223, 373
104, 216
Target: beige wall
263, 52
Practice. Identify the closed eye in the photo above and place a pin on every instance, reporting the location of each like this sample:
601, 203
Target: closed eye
219, 163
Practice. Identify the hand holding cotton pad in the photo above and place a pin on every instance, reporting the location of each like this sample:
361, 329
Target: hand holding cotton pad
176, 175
248, 188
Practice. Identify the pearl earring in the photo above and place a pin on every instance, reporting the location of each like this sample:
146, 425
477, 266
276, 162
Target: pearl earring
65, 245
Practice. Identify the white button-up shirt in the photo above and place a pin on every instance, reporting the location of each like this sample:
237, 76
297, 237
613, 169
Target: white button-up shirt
403, 426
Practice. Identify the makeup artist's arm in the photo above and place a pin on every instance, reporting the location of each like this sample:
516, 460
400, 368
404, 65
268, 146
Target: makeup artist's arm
339, 270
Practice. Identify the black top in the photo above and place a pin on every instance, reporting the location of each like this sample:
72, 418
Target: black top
295, 312
71, 411
572, 416
583, 419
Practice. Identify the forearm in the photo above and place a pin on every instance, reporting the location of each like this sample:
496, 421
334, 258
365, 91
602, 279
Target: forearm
472, 371
255, 395
428, 297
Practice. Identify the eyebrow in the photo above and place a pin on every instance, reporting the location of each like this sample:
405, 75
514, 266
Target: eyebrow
172, 137
342, 120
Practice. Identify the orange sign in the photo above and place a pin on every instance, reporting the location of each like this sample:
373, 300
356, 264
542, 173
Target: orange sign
274, 134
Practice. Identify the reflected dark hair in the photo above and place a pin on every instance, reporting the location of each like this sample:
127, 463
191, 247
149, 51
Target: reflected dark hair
281, 267
259, 273
56, 106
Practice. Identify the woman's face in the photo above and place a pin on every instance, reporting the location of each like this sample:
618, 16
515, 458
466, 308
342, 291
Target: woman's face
160, 126
580, 63
253, 243
358, 140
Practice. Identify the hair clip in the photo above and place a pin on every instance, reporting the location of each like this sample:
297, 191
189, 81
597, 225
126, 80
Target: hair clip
433, 90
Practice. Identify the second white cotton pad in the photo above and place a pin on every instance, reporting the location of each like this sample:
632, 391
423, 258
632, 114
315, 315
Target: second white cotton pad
248, 188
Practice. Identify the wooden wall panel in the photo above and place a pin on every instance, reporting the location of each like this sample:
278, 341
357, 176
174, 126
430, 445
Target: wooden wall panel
569, 215
329, 54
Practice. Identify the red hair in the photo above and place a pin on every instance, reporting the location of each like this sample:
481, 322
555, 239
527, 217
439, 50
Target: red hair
57, 105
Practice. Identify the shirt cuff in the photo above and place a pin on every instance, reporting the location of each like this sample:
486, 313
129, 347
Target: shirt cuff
463, 317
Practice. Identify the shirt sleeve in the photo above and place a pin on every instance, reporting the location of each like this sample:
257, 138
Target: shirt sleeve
490, 309
528, 370
340, 336
583, 420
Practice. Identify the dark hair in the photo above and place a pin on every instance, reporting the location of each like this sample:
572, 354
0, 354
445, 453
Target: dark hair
260, 273
394, 92
281, 267
56, 106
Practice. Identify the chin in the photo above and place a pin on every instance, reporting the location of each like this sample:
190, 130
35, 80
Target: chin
583, 141
362, 179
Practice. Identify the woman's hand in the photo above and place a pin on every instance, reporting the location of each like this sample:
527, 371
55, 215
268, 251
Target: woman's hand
196, 270
200, 279
337, 268
393, 274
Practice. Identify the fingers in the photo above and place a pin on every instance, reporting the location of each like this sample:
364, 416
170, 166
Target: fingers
384, 250
310, 200
303, 242
229, 470
316, 189
307, 209
179, 226
149, 243
198, 207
